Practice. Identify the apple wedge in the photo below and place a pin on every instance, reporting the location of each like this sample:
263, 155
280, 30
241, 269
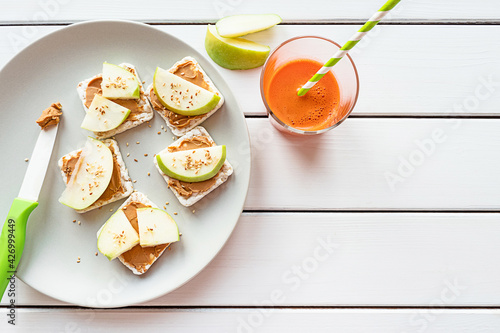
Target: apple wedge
104, 115
119, 83
117, 236
234, 53
156, 227
91, 176
194, 165
240, 25
182, 96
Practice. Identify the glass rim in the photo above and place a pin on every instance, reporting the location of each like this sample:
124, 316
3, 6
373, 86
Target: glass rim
271, 113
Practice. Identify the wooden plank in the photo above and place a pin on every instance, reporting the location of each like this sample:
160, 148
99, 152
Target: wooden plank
374, 259
33, 11
398, 75
256, 320
377, 164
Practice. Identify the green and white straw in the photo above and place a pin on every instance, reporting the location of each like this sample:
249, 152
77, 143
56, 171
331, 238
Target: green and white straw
376, 18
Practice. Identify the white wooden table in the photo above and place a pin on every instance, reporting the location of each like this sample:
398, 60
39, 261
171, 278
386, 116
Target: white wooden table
394, 225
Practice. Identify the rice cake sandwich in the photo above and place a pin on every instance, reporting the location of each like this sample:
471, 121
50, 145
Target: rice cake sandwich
193, 166
137, 234
182, 120
95, 175
120, 87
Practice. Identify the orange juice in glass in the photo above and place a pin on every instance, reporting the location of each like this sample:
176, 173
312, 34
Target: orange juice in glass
326, 105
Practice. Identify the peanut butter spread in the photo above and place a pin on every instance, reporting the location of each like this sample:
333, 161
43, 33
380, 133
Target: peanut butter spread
188, 72
186, 189
50, 116
115, 184
94, 87
140, 257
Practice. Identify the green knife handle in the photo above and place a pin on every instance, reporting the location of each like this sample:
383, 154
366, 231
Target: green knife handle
12, 239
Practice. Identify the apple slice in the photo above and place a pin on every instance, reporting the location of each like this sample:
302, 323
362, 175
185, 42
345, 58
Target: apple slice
104, 115
182, 96
117, 236
156, 227
239, 25
90, 177
119, 83
234, 53
194, 165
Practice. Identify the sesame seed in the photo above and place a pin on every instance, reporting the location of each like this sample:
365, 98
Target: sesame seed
111, 210
135, 181
164, 207
149, 126
79, 223
135, 159
166, 203
74, 221
78, 261
128, 154
26, 160
78, 258
162, 127
127, 144
175, 213
194, 210
159, 132
145, 154
96, 254
137, 142
149, 174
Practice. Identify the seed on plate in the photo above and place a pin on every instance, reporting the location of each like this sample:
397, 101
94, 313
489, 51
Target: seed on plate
26, 160
175, 213
162, 127
135, 181
166, 203
128, 154
135, 159
149, 126
127, 144
96, 254
145, 154
149, 174
74, 221
111, 210
79, 223
159, 132
138, 142
164, 207
194, 210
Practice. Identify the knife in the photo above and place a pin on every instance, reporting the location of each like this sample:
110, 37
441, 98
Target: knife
14, 229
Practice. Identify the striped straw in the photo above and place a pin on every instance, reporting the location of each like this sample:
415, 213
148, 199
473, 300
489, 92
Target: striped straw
376, 18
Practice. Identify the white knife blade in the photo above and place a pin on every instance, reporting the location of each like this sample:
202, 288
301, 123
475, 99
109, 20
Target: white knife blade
38, 163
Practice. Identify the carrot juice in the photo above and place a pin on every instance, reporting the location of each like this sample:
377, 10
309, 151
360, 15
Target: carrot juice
316, 110
324, 106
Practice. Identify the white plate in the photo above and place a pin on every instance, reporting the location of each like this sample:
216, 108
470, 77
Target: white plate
48, 71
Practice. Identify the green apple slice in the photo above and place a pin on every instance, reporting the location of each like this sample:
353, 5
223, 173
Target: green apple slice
117, 236
234, 53
156, 227
90, 177
194, 165
104, 115
119, 83
240, 25
182, 96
